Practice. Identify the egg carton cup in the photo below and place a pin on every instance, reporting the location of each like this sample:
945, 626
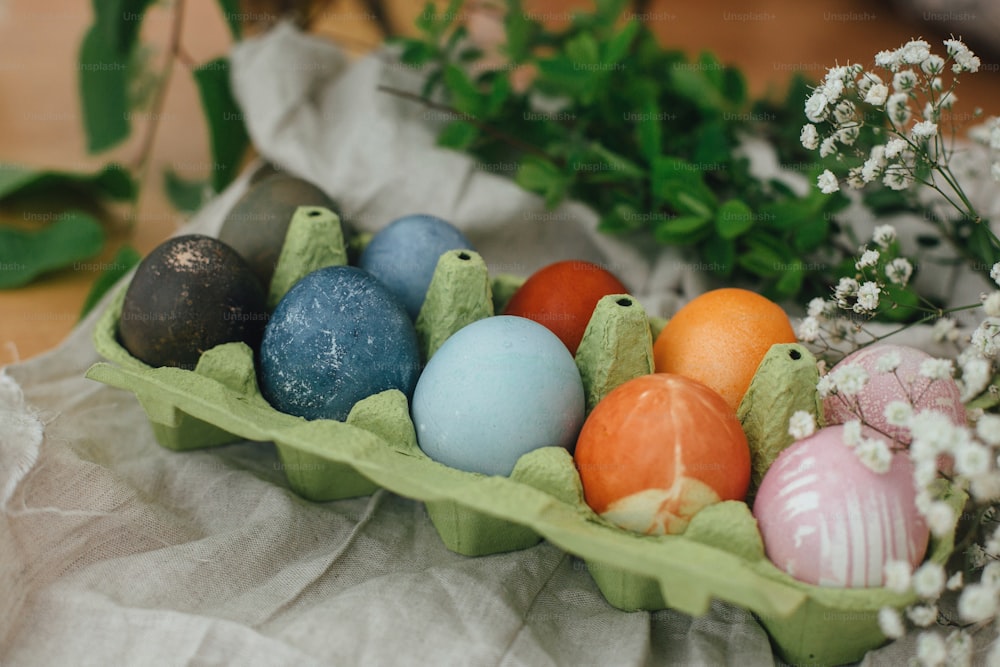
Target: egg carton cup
720, 556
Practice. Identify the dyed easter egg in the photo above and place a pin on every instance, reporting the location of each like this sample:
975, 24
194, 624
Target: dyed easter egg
404, 254
659, 448
188, 295
828, 519
562, 297
497, 389
336, 337
903, 383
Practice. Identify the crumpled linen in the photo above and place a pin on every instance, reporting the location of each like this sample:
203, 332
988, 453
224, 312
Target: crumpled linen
114, 550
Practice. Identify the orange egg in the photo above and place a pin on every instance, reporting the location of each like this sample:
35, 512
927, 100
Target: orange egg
657, 449
720, 337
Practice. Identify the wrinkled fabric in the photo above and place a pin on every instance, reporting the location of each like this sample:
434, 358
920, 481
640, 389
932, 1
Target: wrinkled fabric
115, 551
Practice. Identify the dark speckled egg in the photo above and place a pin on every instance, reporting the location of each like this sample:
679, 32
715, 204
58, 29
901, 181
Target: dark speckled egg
257, 224
336, 337
188, 295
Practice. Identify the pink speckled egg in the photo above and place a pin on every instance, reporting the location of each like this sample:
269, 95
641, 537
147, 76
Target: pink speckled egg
905, 383
827, 519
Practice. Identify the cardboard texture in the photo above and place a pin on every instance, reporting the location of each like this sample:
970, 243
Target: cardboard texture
720, 555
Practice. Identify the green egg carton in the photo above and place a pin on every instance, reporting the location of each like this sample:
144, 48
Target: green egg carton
720, 556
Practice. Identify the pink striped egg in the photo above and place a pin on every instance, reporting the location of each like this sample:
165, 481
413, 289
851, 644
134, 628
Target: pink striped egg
829, 520
904, 383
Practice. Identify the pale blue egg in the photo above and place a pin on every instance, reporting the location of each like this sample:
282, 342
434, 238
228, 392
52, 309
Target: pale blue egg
497, 389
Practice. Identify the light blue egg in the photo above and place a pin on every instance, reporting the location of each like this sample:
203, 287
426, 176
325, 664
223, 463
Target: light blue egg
497, 389
404, 254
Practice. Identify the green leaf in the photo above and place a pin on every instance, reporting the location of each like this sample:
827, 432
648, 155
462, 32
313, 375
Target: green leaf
122, 263
227, 132
458, 134
762, 261
112, 182
185, 195
616, 48
682, 229
561, 76
811, 234
583, 49
25, 255
790, 279
465, 97
733, 219
232, 13
681, 184
542, 177
520, 30
416, 52
499, 92
719, 255
103, 92
426, 19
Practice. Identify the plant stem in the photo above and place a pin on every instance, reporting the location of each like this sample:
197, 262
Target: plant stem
142, 161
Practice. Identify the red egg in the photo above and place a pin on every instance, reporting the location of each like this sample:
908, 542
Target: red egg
659, 448
562, 298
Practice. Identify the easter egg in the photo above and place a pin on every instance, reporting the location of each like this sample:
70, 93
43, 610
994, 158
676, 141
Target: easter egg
720, 337
497, 389
562, 297
893, 374
404, 254
257, 223
657, 449
188, 295
335, 338
828, 519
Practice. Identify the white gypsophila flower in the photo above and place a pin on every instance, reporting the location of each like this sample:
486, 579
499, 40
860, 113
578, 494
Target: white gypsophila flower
897, 108
976, 375
868, 258
955, 581
897, 177
991, 574
966, 62
898, 271
825, 386
843, 112
915, 52
995, 273
801, 425
877, 95
931, 650
817, 307
944, 329
937, 84
866, 81
985, 488
890, 623
845, 289
993, 545
848, 135
922, 615
851, 434
924, 471
929, 579
883, 236
903, 82
940, 519
894, 148
809, 137
808, 330
977, 603
850, 379
816, 106
833, 89
898, 413
986, 337
933, 64
931, 113
994, 135
977, 557
888, 361
888, 60
972, 459
827, 182
937, 369
896, 575
925, 129
948, 100
932, 432
959, 647
867, 297
991, 304
988, 429
955, 46
828, 147
875, 454
871, 169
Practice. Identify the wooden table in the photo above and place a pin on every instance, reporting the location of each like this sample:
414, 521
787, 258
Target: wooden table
40, 118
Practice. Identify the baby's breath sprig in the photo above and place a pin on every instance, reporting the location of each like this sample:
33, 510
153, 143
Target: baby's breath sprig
906, 103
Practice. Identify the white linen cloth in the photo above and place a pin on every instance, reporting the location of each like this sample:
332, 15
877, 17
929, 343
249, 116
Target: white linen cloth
115, 551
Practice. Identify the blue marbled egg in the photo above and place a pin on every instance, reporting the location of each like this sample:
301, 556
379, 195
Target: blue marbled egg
404, 254
335, 338
497, 389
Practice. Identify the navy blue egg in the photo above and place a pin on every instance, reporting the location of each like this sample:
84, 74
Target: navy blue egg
404, 254
336, 337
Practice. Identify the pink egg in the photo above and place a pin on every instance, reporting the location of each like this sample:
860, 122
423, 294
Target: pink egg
827, 519
905, 383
